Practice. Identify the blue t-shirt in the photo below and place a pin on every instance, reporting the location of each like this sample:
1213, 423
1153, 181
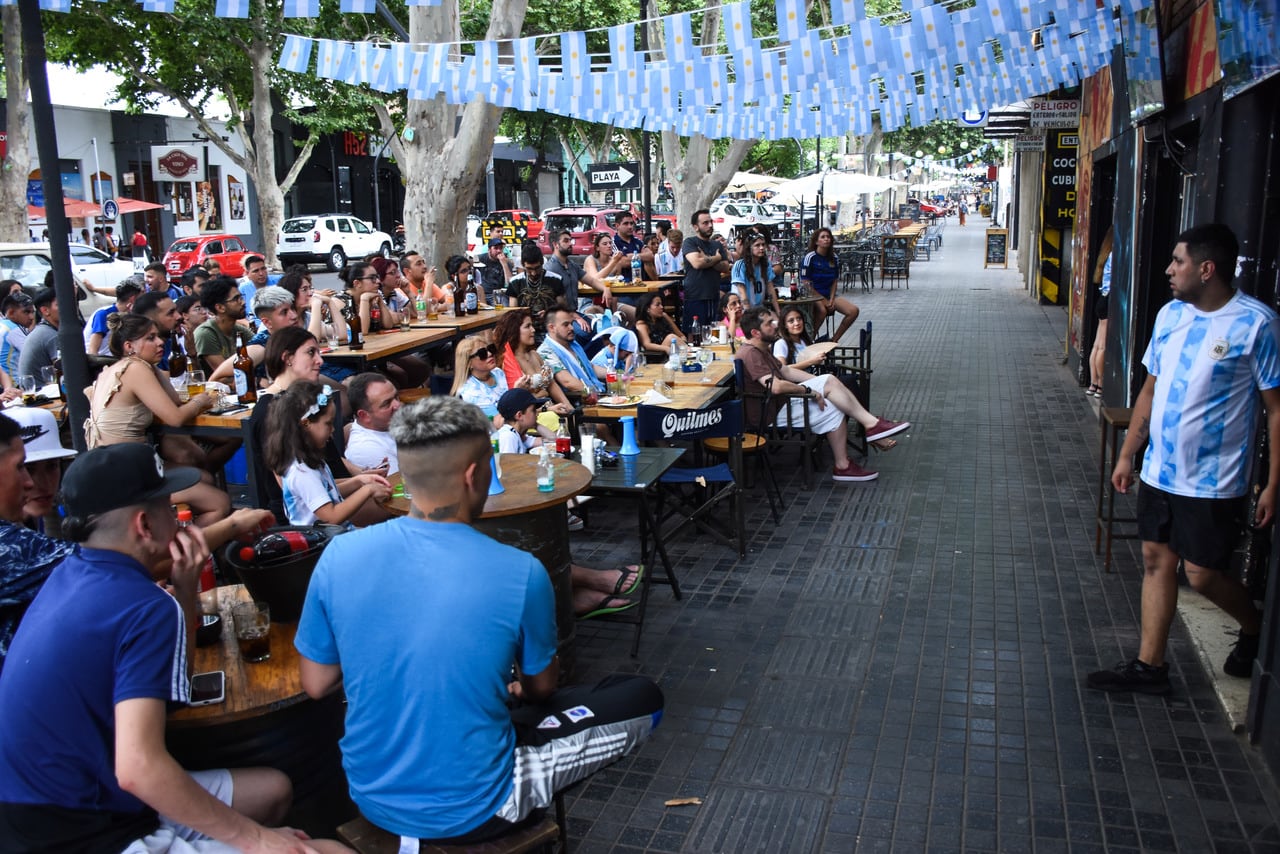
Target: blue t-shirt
627, 247
26, 559
8, 352
99, 632
820, 271
753, 283
98, 325
426, 636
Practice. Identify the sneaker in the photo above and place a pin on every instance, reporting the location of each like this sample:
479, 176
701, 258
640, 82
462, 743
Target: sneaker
575, 523
884, 428
1132, 675
854, 472
1240, 661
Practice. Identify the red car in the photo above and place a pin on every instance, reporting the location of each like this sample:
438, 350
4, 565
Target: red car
581, 222
187, 252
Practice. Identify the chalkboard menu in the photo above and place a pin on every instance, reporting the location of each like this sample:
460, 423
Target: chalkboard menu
997, 248
909, 210
895, 252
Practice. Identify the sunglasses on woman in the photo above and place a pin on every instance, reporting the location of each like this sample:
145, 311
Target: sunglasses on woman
484, 353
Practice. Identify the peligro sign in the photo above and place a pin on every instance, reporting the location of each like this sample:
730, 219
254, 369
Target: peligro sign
673, 424
1056, 113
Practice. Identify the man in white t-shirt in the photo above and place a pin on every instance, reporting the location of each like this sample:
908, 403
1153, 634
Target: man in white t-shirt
370, 447
1213, 357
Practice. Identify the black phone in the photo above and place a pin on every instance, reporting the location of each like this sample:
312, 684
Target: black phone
208, 688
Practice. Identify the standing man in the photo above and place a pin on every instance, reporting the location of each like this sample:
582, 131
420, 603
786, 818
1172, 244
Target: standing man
41, 346
255, 276
431, 750
118, 643
706, 264
95, 333
1214, 352
670, 258
216, 337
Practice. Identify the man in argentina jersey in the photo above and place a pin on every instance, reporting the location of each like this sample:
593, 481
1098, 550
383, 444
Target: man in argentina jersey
1213, 358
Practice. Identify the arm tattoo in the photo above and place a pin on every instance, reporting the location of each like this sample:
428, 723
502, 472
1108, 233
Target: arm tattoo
1143, 430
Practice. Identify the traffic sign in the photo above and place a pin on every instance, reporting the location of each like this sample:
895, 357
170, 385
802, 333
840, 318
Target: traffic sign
613, 176
110, 209
972, 119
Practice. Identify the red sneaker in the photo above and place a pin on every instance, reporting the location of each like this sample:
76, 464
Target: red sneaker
884, 428
854, 473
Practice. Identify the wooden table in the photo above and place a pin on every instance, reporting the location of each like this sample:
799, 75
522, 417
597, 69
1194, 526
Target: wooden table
626, 288
718, 372
460, 327
534, 522
266, 719
692, 396
383, 345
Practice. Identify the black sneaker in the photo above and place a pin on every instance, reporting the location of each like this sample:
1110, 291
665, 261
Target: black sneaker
1132, 675
1240, 661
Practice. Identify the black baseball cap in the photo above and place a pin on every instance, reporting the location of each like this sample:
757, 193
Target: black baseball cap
116, 476
515, 401
497, 241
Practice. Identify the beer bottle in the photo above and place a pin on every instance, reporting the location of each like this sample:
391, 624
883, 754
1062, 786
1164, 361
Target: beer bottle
459, 299
355, 340
245, 382
471, 302
177, 359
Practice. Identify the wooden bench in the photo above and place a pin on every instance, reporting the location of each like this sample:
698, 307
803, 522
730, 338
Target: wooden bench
367, 838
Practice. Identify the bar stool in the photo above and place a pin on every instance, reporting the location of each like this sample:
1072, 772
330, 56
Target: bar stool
367, 838
1112, 420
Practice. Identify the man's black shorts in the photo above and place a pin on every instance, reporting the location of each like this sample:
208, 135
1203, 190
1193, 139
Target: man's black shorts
1203, 531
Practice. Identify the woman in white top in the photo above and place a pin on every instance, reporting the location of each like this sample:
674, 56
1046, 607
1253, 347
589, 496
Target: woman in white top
476, 378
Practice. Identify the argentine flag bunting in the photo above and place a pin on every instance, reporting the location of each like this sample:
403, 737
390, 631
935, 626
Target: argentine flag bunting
301, 8
574, 61
524, 61
863, 37
749, 63
622, 47
360, 7
736, 18
486, 64
679, 33
804, 57
325, 59
847, 12
295, 56
231, 8
791, 20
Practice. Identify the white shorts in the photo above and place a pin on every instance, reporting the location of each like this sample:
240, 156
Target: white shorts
821, 421
173, 838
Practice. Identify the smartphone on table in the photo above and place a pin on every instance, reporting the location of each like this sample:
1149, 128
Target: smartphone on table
208, 688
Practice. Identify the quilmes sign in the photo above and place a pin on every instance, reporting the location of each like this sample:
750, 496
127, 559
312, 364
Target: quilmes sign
178, 162
674, 424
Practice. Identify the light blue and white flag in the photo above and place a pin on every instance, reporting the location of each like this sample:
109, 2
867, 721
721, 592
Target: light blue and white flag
805, 57
678, 30
736, 18
231, 8
847, 12
622, 47
360, 7
791, 19
295, 56
301, 8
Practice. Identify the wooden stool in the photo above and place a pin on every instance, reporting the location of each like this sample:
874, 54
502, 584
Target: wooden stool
367, 838
1112, 420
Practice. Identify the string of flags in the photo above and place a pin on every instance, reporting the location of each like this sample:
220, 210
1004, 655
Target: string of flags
926, 64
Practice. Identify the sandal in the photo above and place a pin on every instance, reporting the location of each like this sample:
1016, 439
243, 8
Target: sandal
885, 444
635, 573
1094, 391
603, 607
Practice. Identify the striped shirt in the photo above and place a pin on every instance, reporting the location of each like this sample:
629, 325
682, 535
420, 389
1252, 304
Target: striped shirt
1204, 413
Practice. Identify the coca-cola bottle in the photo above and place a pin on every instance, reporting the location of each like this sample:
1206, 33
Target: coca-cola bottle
279, 544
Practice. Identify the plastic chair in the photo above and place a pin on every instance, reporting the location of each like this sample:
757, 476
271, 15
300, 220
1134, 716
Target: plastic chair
687, 486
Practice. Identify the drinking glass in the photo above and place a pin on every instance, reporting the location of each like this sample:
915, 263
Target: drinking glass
253, 630
28, 384
705, 358
48, 376
334, 341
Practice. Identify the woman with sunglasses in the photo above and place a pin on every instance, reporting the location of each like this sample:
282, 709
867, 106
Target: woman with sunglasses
476, 378
515, 342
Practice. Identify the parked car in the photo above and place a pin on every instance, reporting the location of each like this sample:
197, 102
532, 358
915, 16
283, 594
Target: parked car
732, 215
581, 222
532, 225
477, 245
329, 239
29, 263
186, 252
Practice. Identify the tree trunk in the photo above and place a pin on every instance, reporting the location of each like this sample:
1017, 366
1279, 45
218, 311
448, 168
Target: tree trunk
694, 182
445, 161
17, 159
261, 165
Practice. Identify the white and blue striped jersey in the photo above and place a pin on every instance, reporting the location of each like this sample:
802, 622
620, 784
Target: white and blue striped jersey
1208, 366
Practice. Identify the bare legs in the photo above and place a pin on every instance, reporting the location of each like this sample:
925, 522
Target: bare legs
840, 306
1098, 355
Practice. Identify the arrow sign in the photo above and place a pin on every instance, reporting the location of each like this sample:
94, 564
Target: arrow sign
613, 176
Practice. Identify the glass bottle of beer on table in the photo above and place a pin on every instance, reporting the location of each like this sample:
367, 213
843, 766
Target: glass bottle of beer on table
246, 384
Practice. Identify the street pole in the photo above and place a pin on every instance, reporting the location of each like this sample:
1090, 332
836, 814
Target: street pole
646, 194
75, 364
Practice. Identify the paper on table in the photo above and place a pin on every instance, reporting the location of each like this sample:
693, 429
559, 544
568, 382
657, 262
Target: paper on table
652, 398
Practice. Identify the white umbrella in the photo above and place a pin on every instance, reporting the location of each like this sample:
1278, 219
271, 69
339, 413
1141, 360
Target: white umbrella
833, 186
743, 181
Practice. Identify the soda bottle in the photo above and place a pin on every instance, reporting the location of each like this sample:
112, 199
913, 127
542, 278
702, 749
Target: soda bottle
420, 307
695, 332
246, 384
563, 442
375, 318
208, 589
279, 544
637, 268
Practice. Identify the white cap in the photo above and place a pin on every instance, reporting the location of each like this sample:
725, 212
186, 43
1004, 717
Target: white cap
39, 433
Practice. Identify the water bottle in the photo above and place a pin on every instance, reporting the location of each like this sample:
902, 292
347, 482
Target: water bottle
674, 359
546, 471
637, 269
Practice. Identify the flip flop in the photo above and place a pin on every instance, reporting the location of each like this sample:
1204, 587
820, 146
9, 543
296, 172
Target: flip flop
635, 573
603, 607
885, 444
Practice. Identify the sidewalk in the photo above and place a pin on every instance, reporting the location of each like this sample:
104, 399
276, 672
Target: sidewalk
899, 665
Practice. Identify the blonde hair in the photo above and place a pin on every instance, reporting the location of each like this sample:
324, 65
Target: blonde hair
462, 360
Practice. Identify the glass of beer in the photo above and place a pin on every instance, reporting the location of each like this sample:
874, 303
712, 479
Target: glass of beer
28, 384
433, 309
253, 630
195, 383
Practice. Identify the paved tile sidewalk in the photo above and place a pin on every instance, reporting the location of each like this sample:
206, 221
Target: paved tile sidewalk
899, 665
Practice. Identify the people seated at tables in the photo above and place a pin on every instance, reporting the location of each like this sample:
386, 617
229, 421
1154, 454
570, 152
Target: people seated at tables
420, 275
212, 267
496, 271
44, 458
373, 401
669, 258
255, 277
156, 278
159, 308
394, 288
131, 395
569, 364
514, 337
319, 311
216, 337
655, 329
596, 592
627, 244
192, 280
649, 259
753, 276
191, 313
476, 377
364, 289
95, 331
572, 274
603, 262
18, 321
118, 642
793, 338
731, 309
534, 287
431, 749
828, 402
41, 346
275, 308
820, 270
299, 427
618, 349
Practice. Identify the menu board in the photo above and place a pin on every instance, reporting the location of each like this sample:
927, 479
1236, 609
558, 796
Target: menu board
895, 252
997, 248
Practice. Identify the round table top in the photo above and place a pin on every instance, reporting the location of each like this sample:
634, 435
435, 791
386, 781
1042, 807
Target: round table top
521, 495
